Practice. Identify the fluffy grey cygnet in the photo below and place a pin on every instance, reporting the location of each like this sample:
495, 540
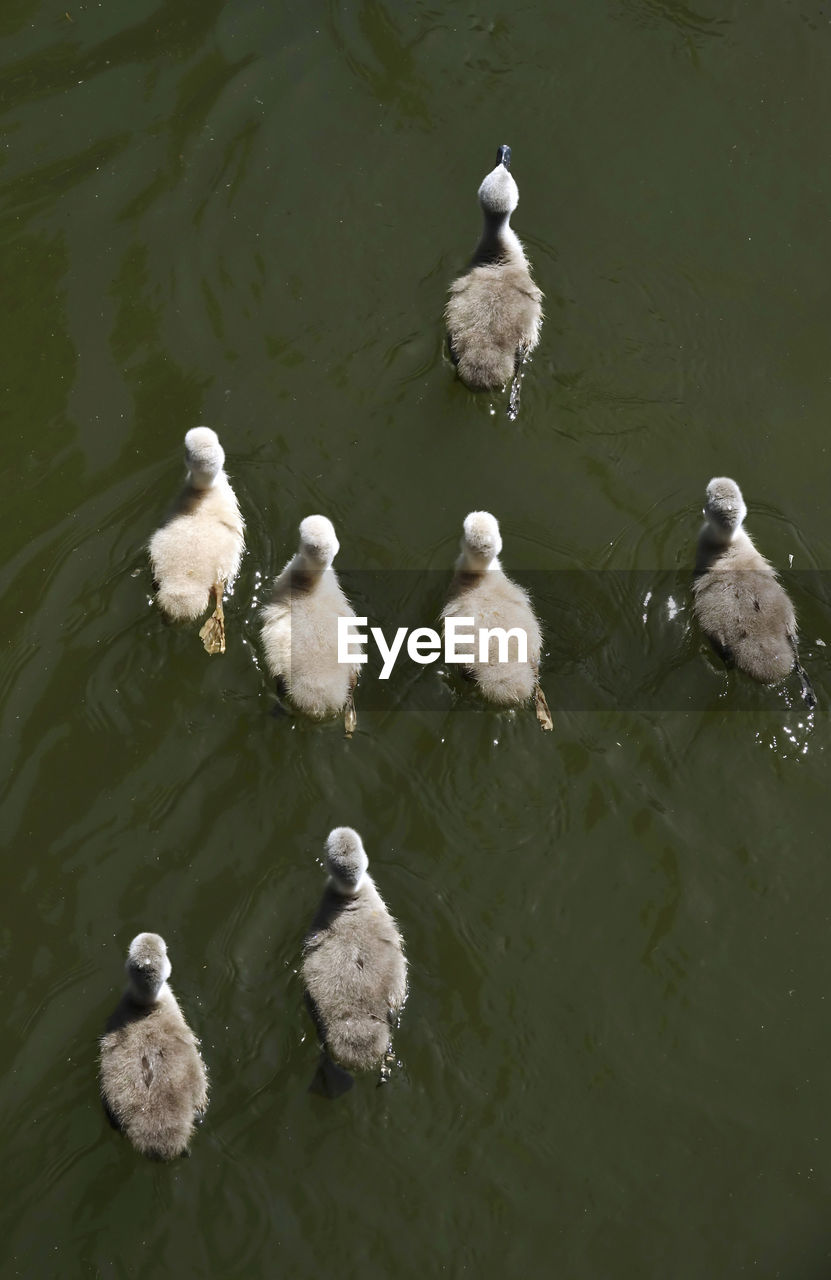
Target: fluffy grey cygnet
196, 554
739, 602
353, 960
153, 1079
300, 629
482, 591
494, 312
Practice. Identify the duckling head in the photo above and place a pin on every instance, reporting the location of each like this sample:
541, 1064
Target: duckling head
499, 194
318, 542
346, 860
148, 967
724, 509
481, 540
204, 456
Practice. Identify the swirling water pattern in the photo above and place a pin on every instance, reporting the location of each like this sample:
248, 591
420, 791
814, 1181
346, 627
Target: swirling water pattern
611, 1062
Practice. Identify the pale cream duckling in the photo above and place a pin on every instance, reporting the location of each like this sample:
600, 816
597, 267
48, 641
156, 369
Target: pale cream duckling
481, 591
197, 552
300, 629
494, 312
738, 600
153, 1079
354, 966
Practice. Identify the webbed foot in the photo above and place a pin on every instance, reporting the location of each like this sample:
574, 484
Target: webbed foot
516, 384
330, 1080
541, 708
212, 634
807, 689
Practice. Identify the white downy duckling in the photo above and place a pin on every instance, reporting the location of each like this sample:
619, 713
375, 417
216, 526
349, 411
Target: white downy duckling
354, 966
153, 1080
494, 312
738, 600
300, 629
481, 590
197, 552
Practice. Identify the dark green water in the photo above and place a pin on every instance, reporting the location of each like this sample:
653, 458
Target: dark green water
614, 1058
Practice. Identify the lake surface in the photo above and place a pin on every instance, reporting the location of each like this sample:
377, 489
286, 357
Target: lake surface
614, 1059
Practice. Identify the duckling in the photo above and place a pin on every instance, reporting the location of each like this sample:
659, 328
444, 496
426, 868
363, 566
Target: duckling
480, 590
300, 629
197, 553
738, 600
354, 966
494, 312
153, 1080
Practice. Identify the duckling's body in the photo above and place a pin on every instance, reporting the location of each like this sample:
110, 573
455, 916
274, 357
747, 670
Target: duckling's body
153, 1079
738, 600
300, 628
354, 966
482, 591
197, 552
494, 312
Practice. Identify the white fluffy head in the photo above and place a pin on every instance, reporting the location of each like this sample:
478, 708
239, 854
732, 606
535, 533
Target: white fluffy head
346, 860
148, 967
481, 541
318, 542
204, 456
725, 509
499, 194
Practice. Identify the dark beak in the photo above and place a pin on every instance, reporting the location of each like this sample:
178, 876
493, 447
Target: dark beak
503, 155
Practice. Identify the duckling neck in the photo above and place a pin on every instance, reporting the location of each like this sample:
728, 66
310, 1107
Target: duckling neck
344, 890
713, 542
722, 537
475, 567
499, 240
203, 479
307, 569
144, 998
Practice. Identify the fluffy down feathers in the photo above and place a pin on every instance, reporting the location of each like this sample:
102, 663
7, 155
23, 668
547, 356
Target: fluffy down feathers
300, 626
202, 542
493, 600
493, 314
355, 973
153, 1079
745, 611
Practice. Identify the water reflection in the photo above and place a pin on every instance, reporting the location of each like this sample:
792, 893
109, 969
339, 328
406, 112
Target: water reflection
616, 934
